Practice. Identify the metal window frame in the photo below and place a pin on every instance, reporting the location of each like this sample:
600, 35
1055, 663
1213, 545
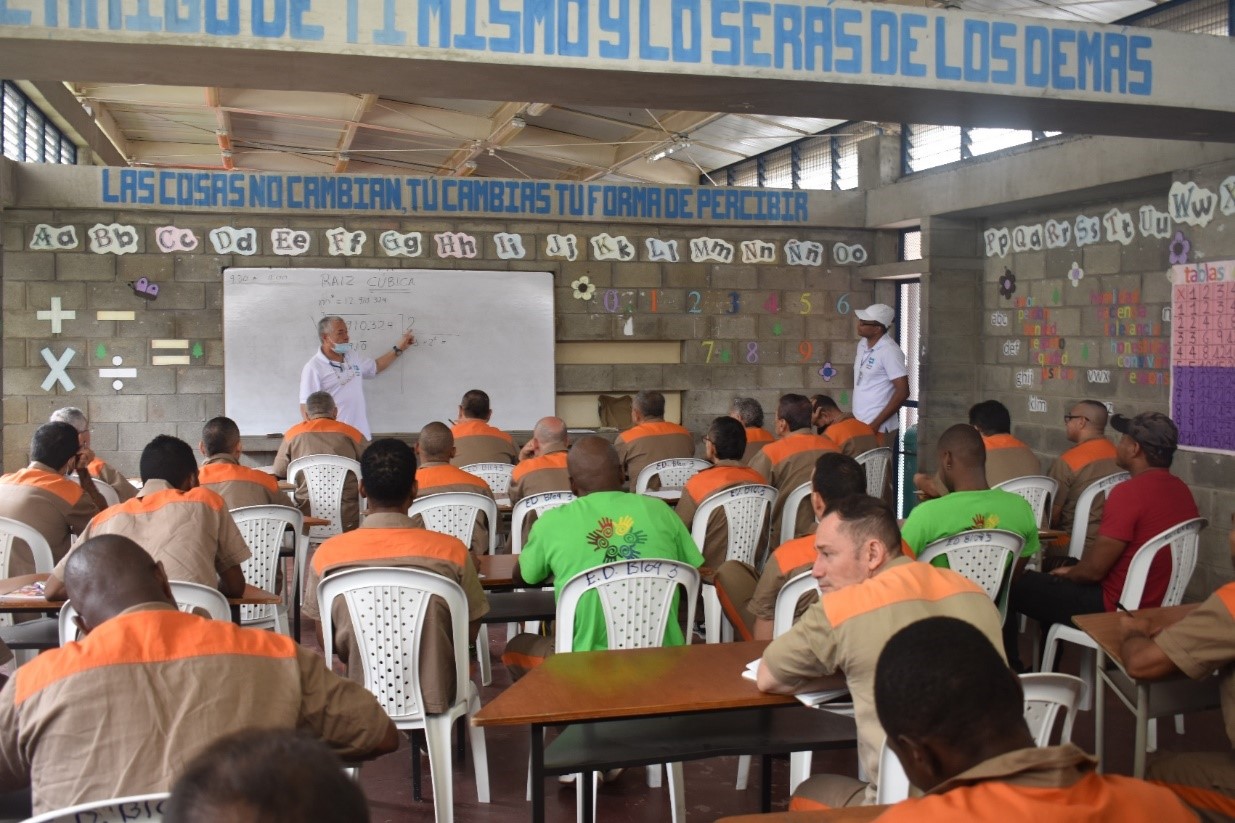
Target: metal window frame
51, 143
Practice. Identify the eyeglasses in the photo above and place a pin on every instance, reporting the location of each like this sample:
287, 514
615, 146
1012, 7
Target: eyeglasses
1067, 418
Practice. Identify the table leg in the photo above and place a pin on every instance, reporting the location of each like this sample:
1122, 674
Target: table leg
586, 799
235, 609
1099, 711
765, 783
1142, 723
537, 750
295, 602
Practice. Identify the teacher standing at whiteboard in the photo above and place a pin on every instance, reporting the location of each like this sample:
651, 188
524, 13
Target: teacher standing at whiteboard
337, 369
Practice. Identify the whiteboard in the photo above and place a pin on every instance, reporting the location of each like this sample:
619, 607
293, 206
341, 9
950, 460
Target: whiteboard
474, 330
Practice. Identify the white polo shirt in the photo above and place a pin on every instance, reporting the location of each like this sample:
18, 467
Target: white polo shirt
874, 369
343, 381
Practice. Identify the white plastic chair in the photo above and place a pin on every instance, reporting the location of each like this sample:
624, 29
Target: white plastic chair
497, 475
538, 503
1045, 696
876, 462
1084, 504
263, 529
1038, 491
673, 474
985, 556
454, 513
789, 514
388, 607
324, 477
747, 510
188, 596
1182, 541
135, 807
110, 496
637, 600
11, 530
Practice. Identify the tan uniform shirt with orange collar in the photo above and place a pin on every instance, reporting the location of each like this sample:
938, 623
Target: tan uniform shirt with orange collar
1008, 458
850, 626
323, 436
537, 475
191, 533
1204, 642
1055, 783
1076, 470
238, 485
787, 464
756, 439
112, 477
650, 441
724, 474
50, 503
478, 442
852, 436
390, 539
443, 478
150, 689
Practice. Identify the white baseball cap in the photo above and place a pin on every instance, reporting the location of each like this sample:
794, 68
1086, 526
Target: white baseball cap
879, 313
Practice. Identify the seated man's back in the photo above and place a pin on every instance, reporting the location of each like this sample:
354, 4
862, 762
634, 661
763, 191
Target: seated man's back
651, 438
542, 462
961, 511
154, 686
475, 440
322, 434
1008, 458
238, 485
725, 442
435, 475
787, 463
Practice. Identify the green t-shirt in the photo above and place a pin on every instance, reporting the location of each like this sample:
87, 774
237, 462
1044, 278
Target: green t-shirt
599, 528
957, 512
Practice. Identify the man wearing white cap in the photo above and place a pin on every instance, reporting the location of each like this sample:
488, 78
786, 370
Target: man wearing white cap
880, 380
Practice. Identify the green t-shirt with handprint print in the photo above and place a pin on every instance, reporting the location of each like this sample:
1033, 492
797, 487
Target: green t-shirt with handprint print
957, 512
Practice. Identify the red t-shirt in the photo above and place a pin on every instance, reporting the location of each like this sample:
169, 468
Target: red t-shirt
1136, 510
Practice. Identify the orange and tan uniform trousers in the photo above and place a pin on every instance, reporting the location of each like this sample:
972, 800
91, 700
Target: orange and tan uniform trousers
848, 629
323, 436
388, 539
151, 688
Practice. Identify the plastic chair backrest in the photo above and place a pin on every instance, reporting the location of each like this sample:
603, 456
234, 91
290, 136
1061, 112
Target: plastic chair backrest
188, 596
1084, 504
324, 477
1045, 694
787, 601
497, 475
388, 607
1038, 491
135, 807
110, 496
673, 473
985, 556
893, 786
876, 462
454, 513
539, 503
789, 514
11, 529
1183, 540
263, 528
636, 597
748, 510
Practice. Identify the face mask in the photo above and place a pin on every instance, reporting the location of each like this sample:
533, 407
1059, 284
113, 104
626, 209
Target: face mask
342, 348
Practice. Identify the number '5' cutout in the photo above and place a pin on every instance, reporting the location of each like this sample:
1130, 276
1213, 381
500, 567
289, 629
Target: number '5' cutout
806, 304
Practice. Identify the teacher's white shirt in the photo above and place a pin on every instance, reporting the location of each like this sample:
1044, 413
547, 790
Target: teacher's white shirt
343, 381
874, 369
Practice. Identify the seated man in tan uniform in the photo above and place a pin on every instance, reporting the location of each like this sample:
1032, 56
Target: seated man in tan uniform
870, 592
748, 412
1006, 457
98, 469
1091, 459
322, 434
955, 719
434, 448
389, 538
475, 440
222, 473
651, 438
851, 435
153, 686
186, 528
542, 462
787, 463
724, 442
749, 598
44, 499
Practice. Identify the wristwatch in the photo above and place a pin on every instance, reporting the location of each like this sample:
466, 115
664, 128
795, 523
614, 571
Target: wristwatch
398, 351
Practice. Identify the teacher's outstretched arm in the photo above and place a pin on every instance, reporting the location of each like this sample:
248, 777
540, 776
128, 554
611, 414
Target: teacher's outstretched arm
408, 339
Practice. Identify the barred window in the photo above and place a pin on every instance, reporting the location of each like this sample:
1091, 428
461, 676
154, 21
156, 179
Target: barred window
26, 134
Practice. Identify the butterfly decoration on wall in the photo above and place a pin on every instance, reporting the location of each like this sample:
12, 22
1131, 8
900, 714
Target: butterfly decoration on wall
144, 289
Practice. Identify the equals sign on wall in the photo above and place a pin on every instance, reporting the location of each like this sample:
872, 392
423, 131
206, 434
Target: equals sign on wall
157, 358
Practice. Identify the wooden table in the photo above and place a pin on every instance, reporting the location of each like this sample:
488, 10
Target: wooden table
1144, 698
512, 606
496, 570
850, 814
647, 706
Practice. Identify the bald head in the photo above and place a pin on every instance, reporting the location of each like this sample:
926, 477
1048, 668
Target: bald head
107, 574
550, 432
962, 458
593, 466
436, 443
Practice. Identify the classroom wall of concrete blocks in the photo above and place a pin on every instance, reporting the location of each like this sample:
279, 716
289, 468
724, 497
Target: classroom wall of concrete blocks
1036, 329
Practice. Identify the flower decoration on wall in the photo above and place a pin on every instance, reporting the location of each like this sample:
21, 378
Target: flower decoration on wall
827, 372
1076, 274
584, 289
1179, 248
1007, 284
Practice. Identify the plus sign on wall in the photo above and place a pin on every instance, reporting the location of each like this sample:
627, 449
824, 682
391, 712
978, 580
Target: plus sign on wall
56, 315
